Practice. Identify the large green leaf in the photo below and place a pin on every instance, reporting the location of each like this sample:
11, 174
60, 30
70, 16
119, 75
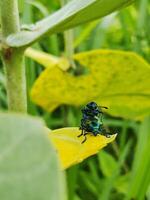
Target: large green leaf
28, 164
74, 13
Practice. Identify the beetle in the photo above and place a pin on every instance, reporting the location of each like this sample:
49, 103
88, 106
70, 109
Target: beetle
91, 121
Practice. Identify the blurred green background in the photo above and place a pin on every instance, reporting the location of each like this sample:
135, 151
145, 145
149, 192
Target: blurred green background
122, 170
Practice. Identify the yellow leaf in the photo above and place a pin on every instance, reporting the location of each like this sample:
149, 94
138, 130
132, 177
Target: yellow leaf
117, 79
47, 60
69, 146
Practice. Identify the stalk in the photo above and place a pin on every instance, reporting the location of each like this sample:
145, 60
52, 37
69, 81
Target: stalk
69, 48
13, 58
68, 39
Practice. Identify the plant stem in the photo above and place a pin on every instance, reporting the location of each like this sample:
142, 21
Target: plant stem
69, 48
13, 57
68, 39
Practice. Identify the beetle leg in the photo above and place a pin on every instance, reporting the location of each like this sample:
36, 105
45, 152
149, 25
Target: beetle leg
85, 138
101, 117
106, 134
81, 133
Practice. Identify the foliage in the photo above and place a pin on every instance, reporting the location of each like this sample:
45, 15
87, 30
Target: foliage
120, 89
74, 13
121, 171
70, 149
28, 164
141, 161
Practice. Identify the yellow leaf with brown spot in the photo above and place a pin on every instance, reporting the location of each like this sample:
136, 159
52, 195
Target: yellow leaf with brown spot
116, 79
70, 149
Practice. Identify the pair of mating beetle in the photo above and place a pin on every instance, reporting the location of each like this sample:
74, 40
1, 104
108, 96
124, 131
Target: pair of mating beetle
91, 121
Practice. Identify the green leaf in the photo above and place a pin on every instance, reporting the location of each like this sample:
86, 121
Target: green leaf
109, 166
107, 163
28, 164
121, 183
148, 193
111, 181
74, 13
140, 177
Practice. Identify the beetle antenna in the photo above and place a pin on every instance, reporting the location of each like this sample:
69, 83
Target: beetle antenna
103, 107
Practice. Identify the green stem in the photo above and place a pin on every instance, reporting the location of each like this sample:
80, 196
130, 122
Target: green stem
13, 58
68, 39
9, 17
69, 48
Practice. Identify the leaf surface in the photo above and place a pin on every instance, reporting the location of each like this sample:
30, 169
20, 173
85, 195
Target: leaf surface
29, 167
74, 13
116, 79
107, 163
70, 149
140, 176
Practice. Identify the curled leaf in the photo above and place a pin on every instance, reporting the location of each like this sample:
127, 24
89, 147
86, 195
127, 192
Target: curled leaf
70, 149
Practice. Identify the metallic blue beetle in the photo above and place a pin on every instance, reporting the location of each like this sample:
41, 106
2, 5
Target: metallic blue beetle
91, 121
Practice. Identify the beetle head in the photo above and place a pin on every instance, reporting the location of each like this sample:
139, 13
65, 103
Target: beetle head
92, 105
